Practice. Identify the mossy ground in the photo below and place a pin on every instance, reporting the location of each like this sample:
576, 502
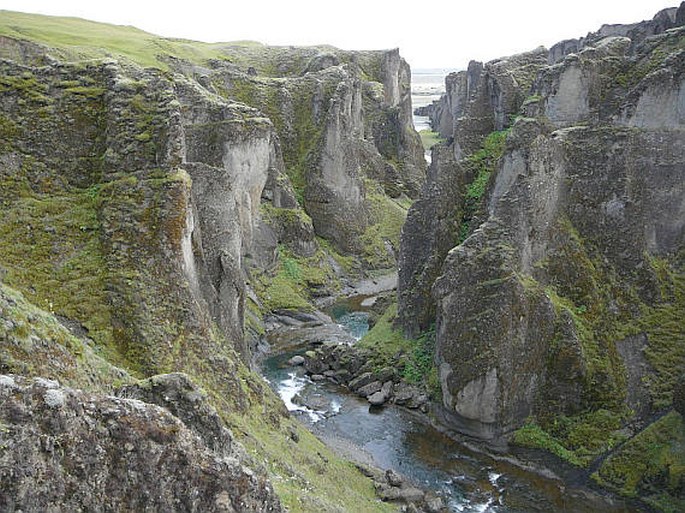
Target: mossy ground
429, 138
413, 358
290, 285
50, 249
34, 343
650, 466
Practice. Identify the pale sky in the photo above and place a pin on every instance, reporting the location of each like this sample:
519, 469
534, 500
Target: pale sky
429, 34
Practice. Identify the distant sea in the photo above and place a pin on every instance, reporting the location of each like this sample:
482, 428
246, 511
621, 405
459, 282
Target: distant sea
426, 86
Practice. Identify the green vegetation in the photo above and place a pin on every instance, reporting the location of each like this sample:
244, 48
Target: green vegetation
533, 436
413, 358
482, 164
50, 248
630, 72
429, 138
289, 286
665, 330
650, 466
578, 439
34, 343
387, 216
306, 475
82, 39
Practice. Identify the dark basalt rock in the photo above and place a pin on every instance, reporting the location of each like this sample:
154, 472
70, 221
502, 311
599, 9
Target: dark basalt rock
65, 450
584, 203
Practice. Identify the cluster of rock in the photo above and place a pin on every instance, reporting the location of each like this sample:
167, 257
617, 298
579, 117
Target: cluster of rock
350, 367
159, 447
392, 487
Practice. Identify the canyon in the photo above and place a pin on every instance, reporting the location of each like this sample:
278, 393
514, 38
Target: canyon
175, 211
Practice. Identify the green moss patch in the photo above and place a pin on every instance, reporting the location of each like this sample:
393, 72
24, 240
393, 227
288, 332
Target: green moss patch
533, 436
34, 343
290, 285
413, 358
665, 331
429, 138
481, 164
388, 217
650, 466
50, 248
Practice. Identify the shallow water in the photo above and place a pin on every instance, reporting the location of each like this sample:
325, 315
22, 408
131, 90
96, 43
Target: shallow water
394, 438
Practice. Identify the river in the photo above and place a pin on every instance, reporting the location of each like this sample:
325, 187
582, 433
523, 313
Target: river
395, 438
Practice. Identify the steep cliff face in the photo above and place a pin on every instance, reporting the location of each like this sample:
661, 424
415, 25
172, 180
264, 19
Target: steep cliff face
483, 99
344, 119
137, 206
558, 306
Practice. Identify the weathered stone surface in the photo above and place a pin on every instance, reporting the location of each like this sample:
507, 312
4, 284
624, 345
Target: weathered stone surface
369, 389
636, 32
408, 494
393, 478
361, 380
382, 396
584, 198
135, 455
296, 360
430, 231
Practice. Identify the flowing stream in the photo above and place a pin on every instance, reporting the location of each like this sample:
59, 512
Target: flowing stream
394, 438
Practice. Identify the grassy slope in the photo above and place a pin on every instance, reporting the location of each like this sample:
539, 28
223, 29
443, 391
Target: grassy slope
83, 39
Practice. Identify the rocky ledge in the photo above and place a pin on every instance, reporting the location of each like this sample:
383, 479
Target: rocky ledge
63, 449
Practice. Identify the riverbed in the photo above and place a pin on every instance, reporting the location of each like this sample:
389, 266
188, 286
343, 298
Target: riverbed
394, 438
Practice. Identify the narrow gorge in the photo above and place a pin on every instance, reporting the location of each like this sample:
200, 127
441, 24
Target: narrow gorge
230, 280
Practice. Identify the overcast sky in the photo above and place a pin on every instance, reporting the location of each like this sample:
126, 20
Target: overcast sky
429, 34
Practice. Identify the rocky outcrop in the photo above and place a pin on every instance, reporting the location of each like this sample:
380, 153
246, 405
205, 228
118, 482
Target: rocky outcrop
431, 230
352, 367
483, 99
65, 449
546, 308
636, 32
138, 204
341, 121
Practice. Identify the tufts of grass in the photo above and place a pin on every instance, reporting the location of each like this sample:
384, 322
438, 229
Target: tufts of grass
430, 138
482, 164
650, 466
533, 436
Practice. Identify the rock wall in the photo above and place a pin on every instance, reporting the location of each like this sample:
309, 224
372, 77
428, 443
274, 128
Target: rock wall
140, 204
345, 118
579, 232
65, 449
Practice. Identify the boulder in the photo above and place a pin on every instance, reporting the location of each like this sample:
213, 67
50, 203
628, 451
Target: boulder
371, 388
382, 396
361, 380
296, 360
